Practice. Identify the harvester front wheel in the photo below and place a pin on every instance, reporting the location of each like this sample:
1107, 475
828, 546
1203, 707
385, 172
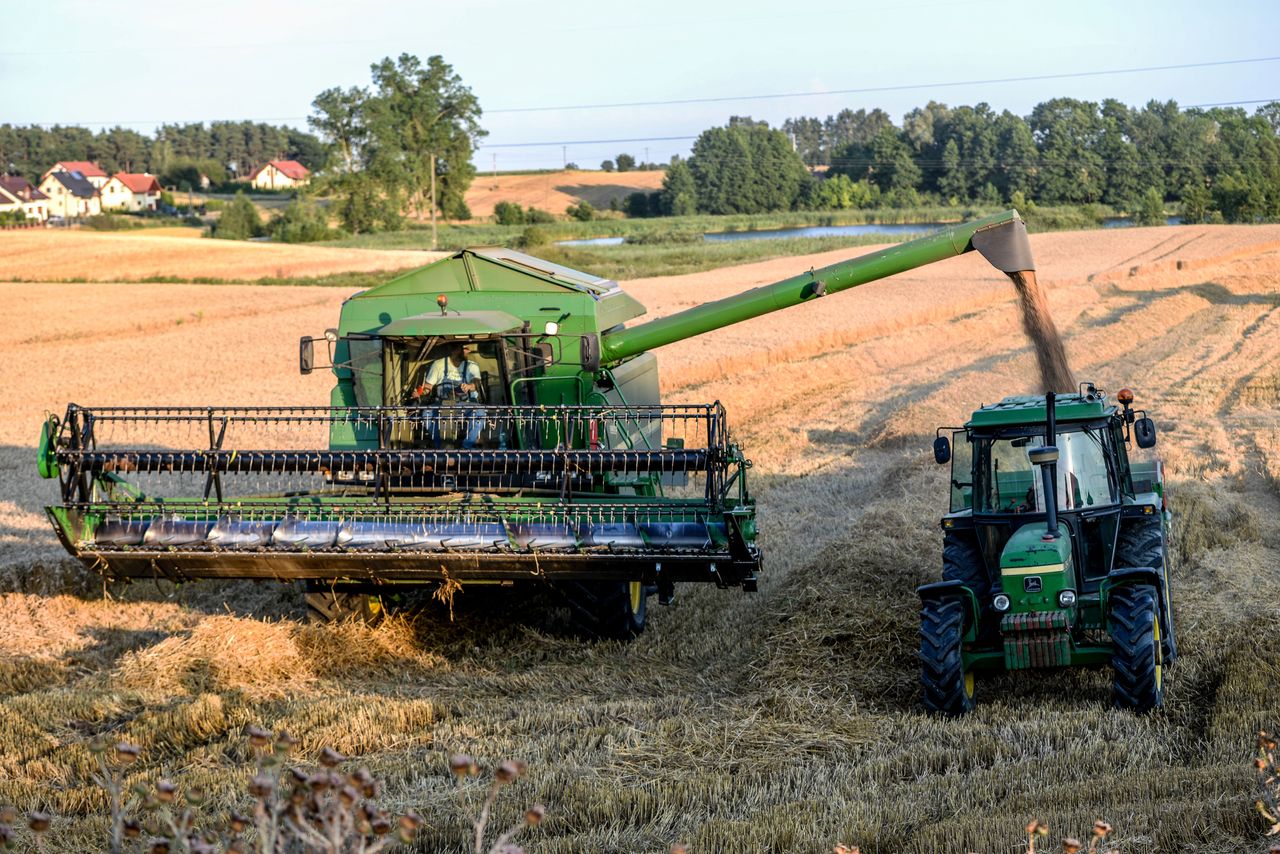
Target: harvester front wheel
608, 609
948, 688
327, 604
1137, 656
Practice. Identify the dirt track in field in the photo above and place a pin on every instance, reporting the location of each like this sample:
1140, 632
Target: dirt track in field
781, 721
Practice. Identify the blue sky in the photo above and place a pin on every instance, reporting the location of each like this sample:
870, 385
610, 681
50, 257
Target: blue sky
141, 62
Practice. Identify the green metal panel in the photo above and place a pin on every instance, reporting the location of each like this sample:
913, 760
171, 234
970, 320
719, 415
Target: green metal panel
1029, 409
473, 323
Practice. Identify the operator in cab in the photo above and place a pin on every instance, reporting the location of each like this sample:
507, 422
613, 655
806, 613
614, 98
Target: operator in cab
450, 377
451, 380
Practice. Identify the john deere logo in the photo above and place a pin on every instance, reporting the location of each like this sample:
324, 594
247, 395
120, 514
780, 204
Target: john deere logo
1032, 584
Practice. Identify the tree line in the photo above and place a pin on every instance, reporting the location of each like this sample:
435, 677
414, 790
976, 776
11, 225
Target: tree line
178, 153
1218, 163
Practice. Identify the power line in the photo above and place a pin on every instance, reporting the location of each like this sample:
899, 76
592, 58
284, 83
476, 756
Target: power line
868, 89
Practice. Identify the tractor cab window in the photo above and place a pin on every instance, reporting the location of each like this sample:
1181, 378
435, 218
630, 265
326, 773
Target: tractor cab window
1009, 483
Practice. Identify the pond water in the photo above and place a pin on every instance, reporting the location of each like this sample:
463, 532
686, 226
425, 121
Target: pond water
827, 231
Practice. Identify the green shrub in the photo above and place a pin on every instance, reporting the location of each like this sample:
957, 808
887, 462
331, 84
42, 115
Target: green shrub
660, 238
111, 222
508, 213
302, 222
239, 220
534, 216
533, 237
582, 211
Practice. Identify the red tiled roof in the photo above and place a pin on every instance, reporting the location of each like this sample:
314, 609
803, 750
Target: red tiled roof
138, 182
291, 169
84, 167
21, 187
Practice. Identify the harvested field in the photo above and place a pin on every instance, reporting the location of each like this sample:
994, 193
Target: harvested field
555, 191
62, 255
781, 721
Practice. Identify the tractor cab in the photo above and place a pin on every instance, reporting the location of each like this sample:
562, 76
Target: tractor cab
1053, 532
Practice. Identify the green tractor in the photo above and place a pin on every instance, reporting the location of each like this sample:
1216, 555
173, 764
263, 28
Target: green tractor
1054, 550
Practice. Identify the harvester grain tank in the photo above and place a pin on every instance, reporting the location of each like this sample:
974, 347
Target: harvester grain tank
494, 420
1055, 550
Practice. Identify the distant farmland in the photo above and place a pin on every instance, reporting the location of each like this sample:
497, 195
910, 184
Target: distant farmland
555, 191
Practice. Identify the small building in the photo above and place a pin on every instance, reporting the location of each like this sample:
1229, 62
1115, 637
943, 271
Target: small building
131, 191
19, 194
71, 195
280, 175
91, 172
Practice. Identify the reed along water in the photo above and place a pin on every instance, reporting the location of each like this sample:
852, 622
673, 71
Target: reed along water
1037, 323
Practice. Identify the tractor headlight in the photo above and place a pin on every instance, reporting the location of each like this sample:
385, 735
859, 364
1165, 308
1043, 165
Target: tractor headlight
1066, 598
1001, 602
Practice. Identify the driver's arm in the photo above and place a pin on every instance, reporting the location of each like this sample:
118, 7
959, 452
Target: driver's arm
471, 375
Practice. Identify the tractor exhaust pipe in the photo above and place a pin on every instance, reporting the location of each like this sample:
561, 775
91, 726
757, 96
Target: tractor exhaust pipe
1046, 457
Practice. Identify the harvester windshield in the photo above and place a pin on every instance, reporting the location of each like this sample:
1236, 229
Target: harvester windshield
1009, 483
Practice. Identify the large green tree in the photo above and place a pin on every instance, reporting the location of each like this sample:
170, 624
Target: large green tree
419, 116
746, 167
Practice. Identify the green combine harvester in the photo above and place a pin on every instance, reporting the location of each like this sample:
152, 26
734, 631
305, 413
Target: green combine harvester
1054, 551
494, 421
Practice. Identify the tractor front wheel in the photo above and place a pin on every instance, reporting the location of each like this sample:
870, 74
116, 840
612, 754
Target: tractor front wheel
327, 604
608, 609
1137, 657
948, 687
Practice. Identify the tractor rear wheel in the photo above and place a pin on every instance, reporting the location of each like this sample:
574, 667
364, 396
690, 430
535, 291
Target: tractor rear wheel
327, 604
1136, 656
1141, 544
948, 688
607, 609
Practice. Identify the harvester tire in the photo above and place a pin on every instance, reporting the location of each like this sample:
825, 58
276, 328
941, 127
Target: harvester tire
607, 609
328, 605
1141, 544
948, 689
1136, 656
962, 561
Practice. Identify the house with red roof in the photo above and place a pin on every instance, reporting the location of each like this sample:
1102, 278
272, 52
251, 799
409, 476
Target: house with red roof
131, 191
280, 175
90, 171
20, 195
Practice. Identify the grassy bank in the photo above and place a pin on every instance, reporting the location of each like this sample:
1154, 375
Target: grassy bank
352, 279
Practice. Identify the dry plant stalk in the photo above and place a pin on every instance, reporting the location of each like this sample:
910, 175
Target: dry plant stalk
1268, 769
463, 766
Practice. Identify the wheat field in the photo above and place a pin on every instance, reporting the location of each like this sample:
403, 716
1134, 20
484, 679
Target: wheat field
782, 721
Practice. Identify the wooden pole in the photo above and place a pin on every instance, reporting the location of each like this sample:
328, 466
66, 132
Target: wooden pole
434, 240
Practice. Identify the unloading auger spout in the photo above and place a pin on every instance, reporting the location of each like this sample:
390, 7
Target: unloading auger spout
1001, 239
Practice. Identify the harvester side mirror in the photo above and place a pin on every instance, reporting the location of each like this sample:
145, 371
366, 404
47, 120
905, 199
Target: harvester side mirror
1144, 432
306, 354
941, 450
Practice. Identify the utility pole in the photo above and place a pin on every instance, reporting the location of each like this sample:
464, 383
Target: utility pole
434, 240
646, 154
564, 157
495, 166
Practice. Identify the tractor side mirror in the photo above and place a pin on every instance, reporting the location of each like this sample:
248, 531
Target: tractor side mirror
1144, 432
941, 450
306, 354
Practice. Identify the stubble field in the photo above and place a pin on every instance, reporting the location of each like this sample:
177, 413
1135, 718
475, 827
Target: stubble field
781, 721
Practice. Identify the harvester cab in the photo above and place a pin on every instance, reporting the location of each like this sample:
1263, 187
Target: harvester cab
495, 419
1054, 550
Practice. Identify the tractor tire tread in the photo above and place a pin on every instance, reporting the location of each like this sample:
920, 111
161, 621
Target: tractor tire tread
1134, 658
602, 610
942, 675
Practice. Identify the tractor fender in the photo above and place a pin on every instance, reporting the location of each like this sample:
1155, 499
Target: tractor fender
940, 590
1129, 575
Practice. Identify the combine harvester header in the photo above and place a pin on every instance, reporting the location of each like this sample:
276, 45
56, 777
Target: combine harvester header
493, 419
